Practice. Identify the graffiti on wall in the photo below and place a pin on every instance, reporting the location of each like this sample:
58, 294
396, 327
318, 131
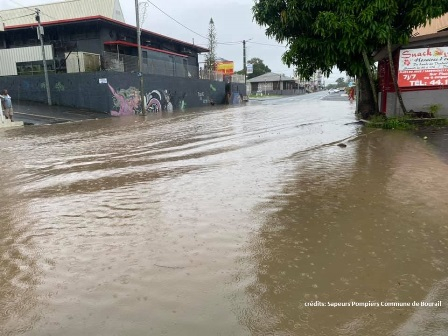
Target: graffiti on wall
59, 87
202, 98
127, 101
164, 100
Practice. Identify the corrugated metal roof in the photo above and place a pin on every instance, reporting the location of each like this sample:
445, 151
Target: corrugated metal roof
65, 10
73, 11
435, 26
270, 77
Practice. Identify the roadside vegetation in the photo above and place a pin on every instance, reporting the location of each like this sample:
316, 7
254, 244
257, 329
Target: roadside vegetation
259, 68
405, 123
322, 34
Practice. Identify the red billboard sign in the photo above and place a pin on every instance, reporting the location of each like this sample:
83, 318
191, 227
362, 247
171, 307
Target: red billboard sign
423, 67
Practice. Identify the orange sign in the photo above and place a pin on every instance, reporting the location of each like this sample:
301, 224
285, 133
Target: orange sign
423, 67
225, 67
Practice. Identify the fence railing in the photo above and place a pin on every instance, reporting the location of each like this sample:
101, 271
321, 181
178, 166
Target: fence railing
127, 63
211, 75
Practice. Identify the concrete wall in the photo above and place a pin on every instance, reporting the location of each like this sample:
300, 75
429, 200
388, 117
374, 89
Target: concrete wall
418, 101
109, 92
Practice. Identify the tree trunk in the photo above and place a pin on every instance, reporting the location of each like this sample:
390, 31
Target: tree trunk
367, 106
394, 77
371, 81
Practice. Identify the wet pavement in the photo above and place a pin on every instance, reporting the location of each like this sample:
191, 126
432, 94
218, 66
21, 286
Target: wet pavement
33, 113
246, 220
437, 139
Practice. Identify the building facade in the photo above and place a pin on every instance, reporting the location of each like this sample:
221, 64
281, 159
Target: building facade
273, 83
421, 67
87, 36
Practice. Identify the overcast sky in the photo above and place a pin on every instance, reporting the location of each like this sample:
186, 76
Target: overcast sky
233, 23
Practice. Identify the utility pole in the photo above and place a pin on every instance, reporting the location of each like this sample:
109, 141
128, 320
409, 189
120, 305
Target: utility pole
244, 61
40, 35
140, 73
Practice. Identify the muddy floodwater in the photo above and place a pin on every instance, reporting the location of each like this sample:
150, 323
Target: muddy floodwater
247, 220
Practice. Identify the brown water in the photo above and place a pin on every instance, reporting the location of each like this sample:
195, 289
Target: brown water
222, 222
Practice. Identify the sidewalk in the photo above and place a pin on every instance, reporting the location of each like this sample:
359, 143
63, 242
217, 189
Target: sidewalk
32, 113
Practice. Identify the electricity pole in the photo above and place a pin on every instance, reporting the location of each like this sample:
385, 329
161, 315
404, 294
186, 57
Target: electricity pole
40, 35
140, 73
244, 61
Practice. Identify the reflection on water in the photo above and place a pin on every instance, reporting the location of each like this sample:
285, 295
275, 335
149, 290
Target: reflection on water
221, 222
372, 229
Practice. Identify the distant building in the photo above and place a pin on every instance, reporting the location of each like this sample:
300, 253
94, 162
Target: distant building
314, 83
86, 36
273, 83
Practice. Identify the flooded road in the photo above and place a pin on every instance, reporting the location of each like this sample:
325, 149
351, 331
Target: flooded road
233, 221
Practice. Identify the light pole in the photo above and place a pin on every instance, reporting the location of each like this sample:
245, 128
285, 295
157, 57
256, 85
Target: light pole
244, 62
40, 35
139, 46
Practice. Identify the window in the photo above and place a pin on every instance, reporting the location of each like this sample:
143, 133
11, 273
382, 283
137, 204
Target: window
34, 67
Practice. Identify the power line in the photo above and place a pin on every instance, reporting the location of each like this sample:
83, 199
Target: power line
204, 37
23, 6
269, 45
221, 43
177, 21
51, 17
17, 17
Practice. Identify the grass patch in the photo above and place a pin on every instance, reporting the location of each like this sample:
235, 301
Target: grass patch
405, 123
266, 96
401, 123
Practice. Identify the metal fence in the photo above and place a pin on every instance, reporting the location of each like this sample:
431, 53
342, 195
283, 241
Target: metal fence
126, 63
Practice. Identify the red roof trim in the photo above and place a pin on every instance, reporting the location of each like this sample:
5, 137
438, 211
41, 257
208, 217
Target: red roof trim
129, 44
100, 17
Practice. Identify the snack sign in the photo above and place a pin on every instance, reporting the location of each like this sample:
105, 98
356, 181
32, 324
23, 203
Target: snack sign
423, 67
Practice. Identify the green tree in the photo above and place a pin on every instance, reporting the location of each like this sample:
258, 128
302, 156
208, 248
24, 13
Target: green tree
210, 58
259, 68
341, 82
343, 33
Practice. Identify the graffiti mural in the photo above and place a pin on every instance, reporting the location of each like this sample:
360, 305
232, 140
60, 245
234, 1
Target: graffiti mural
126, 102
154, 101
59, 87
164, 100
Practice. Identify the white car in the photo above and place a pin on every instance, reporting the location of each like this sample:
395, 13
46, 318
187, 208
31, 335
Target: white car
333, 90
